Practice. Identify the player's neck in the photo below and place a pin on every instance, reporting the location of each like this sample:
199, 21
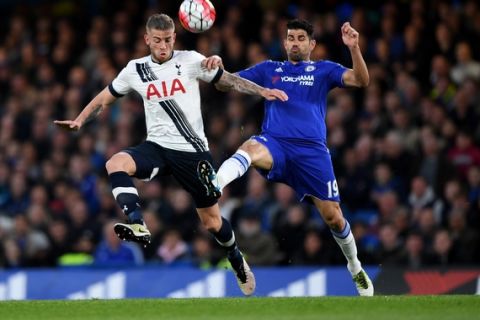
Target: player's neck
300, 61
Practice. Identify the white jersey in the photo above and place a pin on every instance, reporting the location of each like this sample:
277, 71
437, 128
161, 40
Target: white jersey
171, 98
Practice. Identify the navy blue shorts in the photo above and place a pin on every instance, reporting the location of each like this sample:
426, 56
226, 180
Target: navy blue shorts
306, 167
152, 159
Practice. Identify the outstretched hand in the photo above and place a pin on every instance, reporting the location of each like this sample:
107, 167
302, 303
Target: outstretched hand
71, 125
274, 94
349, 35
212, 62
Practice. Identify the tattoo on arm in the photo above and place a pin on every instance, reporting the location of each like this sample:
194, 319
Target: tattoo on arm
232, 81
94, 113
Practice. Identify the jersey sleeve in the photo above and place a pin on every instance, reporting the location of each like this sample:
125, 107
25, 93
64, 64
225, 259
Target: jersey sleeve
203, 73
120, 86
254, 73
335, 74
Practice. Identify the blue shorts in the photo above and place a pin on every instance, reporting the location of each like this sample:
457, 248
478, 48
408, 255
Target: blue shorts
304, 166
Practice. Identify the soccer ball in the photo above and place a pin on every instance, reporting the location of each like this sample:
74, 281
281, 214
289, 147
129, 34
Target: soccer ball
196, 15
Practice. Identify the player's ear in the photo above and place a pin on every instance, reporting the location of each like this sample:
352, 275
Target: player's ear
312, 44
147, 39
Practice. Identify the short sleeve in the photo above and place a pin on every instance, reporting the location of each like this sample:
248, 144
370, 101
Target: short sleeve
203, 73
335, 75
254, 73
120, 86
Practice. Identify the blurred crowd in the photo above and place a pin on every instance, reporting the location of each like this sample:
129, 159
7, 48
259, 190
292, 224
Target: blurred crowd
405, 149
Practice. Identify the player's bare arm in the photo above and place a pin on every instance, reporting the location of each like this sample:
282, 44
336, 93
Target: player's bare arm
90, 112
358, 75
232, 81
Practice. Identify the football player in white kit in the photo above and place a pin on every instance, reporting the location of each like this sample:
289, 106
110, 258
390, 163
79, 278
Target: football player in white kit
168, 81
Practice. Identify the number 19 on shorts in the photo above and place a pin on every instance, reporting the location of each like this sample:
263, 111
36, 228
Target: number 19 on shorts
332, 188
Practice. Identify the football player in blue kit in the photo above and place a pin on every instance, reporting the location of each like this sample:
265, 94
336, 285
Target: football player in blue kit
292, 147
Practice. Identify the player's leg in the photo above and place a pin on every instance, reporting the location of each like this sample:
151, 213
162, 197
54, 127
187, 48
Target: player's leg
222, 230
144, 162
120, 168
340, 228
251, 152
184, 168
310, 174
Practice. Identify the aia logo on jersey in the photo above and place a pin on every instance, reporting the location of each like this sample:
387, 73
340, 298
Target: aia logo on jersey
166, 89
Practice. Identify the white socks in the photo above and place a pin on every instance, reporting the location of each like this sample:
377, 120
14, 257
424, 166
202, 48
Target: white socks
233, 168
347, 243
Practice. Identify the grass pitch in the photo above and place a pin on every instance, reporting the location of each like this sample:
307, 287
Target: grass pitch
380, 307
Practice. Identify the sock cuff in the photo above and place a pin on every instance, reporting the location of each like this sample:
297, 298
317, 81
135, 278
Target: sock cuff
118, 175
229, 243
245, 155
225, 236
344, 233
120, 179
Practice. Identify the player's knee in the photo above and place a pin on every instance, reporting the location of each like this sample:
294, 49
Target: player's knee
113, 165
254, 149
249, 148
118, 163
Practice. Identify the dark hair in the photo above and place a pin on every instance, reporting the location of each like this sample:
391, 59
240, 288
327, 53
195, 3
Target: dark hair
301, 24
159, 21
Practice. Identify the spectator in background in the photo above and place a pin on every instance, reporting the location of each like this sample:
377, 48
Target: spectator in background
203, 254
465, 238
442, 253
157, 229
173, 248
18, 198
290, 231
59, 239
426, 224
395, 154
314, 250
33, 244
385, 181
284, 197
257, 200
466, 66
473, 178
422, 196
414, 255
464, 154
260, 246
112, 251
389, 251
434, 166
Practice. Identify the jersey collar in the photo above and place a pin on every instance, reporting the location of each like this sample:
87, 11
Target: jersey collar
151, 58
300, 63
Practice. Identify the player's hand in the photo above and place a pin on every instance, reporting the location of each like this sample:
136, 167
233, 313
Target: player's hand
212, 62
274, 94
349, 35
71, 125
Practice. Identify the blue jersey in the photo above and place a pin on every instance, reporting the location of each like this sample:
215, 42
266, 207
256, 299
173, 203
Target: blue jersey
307, 84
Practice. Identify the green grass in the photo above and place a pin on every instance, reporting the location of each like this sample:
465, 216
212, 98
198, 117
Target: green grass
380, 307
